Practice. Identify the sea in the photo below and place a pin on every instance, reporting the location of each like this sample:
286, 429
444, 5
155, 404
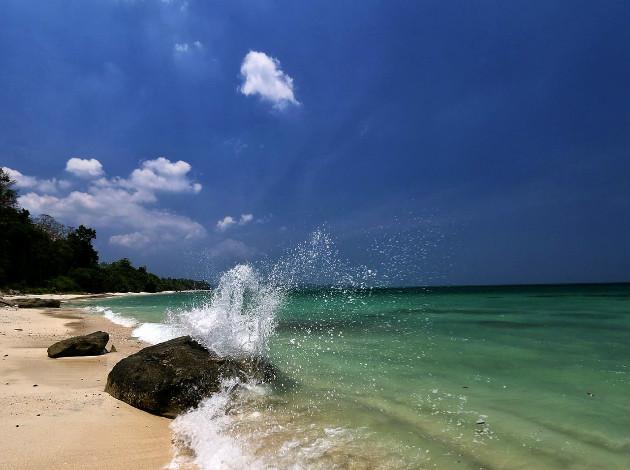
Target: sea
501, 377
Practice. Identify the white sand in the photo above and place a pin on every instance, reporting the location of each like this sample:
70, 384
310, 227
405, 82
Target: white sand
64, 297
67, 420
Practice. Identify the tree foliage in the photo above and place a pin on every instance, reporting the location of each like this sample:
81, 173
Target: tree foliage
53, 229
42, 253
8, 195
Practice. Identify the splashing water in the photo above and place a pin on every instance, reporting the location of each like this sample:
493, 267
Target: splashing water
239, 318
237, 321
206, 431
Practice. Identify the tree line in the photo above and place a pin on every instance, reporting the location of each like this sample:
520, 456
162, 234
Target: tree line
39, 253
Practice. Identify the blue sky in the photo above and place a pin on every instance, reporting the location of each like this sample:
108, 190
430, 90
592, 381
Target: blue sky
437, 142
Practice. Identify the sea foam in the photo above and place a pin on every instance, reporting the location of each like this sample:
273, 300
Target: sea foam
154, 333
237, 320
206, 430
113, 316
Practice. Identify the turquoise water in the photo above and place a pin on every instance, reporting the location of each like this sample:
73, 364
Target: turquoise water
500, 377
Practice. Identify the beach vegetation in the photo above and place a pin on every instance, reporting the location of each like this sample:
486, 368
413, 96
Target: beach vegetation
42, 254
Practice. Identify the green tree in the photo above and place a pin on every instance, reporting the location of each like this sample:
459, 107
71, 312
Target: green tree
8, 195
43, 253
55, 230
80, 241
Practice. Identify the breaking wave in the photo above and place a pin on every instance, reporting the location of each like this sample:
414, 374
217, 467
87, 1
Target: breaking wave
113, 316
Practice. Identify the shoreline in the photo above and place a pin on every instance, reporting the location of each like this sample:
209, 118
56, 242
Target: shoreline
86, 296
54, 412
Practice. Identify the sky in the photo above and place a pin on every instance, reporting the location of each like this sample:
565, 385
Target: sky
435, 142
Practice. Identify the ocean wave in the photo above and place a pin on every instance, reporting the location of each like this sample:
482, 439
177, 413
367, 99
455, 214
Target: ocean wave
207, 432
238, 427
154, 333
113, 316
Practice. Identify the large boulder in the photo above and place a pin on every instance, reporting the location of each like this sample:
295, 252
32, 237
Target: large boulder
34, 303
171, 377
88, 345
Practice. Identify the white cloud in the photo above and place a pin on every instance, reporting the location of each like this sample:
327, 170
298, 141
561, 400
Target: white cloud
225, 223
123, 205
131, 240
228, 221
181, 47
22, 181
185, 47
262, 76
84, 167
162, 175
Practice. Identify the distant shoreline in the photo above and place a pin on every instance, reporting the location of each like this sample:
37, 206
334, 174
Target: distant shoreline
104, 295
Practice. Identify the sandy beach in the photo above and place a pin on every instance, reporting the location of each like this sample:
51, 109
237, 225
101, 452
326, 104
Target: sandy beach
54, 412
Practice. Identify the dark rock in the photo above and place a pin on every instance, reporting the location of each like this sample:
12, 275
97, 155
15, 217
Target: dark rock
34, 303
113, 349
171, 377
88, 345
